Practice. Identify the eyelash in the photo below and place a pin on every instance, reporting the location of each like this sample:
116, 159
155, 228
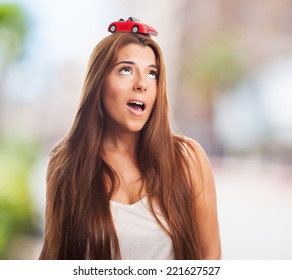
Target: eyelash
125, 68
129, 69
155, 73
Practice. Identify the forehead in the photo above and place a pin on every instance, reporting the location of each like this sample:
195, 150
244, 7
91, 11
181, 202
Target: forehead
136, 53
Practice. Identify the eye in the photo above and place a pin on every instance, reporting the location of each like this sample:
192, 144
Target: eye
125, 70
153, 74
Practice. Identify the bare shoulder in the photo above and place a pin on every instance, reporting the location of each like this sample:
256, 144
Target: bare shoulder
194, 147
199, 164
196, 153
205, 199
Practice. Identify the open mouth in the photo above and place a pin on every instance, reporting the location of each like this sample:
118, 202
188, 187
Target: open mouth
136, 105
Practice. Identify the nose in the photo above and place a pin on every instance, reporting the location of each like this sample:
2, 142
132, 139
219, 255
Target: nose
140, 84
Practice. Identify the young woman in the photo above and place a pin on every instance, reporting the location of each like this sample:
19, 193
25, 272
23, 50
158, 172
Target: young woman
120, 185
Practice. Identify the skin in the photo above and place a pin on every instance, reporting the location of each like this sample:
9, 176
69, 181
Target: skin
134, 78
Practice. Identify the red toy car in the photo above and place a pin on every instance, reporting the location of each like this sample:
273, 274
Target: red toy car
133, 25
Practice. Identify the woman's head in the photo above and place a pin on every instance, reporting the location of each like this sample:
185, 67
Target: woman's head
103, 62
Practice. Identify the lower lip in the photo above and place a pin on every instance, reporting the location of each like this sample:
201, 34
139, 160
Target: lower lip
135, 112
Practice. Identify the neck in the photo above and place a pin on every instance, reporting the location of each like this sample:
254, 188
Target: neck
120, 141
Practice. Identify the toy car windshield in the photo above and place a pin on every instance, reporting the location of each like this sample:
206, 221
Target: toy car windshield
134, 19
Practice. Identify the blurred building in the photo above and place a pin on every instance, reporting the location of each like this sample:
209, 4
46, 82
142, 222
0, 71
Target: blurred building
234, 36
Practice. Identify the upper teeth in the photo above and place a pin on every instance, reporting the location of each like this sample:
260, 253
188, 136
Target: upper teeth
136, 102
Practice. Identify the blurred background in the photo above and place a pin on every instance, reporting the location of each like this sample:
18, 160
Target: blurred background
229, 67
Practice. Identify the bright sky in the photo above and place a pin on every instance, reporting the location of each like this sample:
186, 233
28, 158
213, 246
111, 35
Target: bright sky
62, 28
60, 31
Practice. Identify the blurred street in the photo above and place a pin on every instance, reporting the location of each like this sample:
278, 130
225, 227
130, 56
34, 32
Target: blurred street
255, 209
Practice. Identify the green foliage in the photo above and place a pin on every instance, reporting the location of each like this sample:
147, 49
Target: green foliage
16, 212
216, 66
13, 31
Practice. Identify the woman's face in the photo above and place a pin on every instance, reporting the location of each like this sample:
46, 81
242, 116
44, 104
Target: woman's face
130, 89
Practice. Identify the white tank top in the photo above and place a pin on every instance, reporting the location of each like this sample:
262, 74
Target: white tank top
140, 236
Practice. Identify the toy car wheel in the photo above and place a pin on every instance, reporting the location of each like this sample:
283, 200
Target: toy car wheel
113, 28
135, 29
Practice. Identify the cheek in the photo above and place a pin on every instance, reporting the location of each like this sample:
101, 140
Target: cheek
114, 89
108, 92
109, 95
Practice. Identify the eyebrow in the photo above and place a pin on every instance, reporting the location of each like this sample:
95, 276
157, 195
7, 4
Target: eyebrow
133, 63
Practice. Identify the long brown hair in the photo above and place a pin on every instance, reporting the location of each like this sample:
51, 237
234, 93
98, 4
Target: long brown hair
80, 183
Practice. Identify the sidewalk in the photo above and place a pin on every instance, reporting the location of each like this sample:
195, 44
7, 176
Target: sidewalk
255, 209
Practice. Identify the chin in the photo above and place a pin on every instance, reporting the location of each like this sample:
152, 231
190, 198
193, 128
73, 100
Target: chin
135, 126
